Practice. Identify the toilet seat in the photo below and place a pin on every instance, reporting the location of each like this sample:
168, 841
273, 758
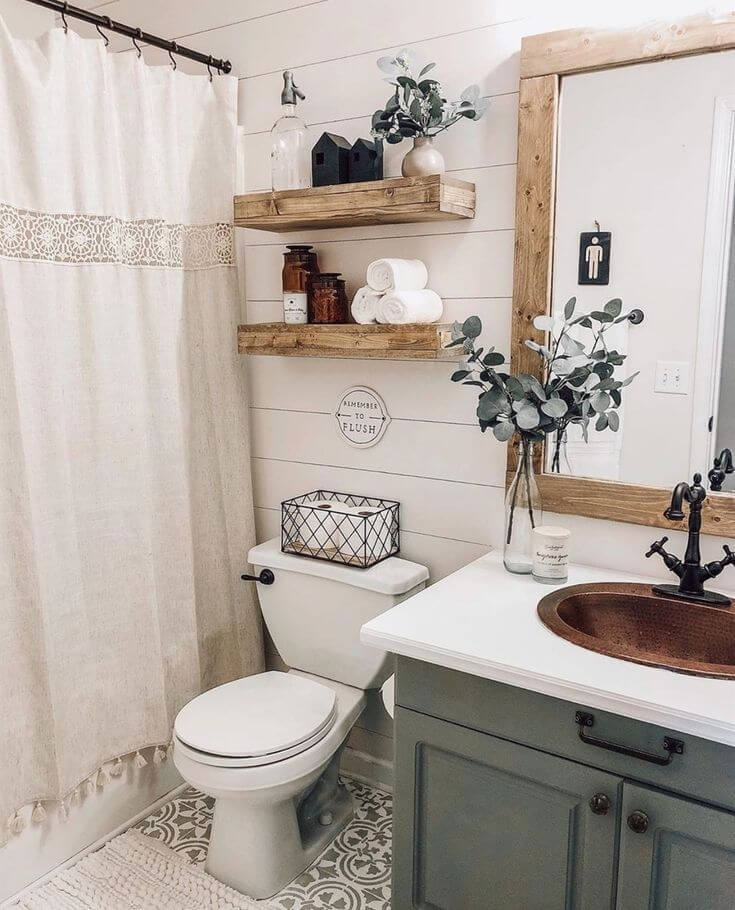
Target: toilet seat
258, 720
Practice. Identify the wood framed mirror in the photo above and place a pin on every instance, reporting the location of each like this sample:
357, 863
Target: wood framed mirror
561, 72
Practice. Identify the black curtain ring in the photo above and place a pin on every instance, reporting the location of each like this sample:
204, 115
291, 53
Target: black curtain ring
64, 8
174, 47
108, 23
139, 35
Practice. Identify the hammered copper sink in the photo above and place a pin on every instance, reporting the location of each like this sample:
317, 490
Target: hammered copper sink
632, 623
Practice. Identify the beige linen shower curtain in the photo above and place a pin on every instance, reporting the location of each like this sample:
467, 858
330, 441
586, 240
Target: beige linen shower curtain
125, 497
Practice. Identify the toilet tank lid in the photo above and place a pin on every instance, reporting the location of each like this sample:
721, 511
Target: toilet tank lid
392, 576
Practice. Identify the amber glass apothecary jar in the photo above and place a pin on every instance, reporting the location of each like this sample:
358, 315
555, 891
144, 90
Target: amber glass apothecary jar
300, 263
329, 299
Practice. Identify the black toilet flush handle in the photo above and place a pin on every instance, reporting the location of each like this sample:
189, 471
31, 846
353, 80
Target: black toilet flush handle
266, 577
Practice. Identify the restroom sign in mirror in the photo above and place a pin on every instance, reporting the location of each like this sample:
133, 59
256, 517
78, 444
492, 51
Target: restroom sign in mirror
594, 257
362, 417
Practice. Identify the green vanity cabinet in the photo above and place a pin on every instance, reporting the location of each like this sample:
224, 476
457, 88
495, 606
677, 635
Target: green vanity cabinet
685, 860
499, 806
494, 823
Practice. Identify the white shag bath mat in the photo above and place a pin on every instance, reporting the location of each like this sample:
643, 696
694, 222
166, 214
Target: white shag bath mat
135, 872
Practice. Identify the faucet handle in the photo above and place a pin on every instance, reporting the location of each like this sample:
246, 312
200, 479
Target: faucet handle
729, 559
658, 547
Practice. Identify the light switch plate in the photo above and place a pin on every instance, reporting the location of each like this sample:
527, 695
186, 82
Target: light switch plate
672, 377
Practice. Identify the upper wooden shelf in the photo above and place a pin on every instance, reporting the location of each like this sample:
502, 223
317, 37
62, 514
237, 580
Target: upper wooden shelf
399, 200
383, 342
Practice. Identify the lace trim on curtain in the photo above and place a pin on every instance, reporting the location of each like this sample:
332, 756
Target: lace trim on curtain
91, 239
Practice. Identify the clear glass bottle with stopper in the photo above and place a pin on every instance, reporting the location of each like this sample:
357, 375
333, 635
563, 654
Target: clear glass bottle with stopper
290, 145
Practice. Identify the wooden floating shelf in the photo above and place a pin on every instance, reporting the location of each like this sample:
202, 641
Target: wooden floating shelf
381, 342
399, 200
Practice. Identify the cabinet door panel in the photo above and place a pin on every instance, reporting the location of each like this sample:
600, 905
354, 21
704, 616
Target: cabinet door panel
484, 824
685, 860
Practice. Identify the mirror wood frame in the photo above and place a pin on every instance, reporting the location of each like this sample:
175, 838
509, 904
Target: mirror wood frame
544, 60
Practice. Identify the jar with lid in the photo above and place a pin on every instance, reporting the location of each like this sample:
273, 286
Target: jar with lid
329, 299
299, 265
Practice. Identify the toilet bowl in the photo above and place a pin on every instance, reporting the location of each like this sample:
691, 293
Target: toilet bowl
268, 824
267, 747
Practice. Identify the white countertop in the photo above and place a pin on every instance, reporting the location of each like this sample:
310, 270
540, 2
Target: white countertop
482, 620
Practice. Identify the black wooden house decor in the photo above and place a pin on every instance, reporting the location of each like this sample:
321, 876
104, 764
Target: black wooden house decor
330, 160
366, 161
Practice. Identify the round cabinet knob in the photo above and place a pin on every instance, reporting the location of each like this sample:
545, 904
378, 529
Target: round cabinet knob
638, 822
600, 804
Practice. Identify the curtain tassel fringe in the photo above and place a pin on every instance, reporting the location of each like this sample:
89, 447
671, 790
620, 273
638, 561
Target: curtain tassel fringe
117, 769
39, 814
103, 777
76, 797
159, 756
92, 783
63, 812
16, 823
139, 761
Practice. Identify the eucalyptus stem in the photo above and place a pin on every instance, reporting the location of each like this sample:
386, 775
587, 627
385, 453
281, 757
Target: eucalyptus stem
512, 508
527, 475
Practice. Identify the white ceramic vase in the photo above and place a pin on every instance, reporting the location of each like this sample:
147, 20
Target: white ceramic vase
423, 159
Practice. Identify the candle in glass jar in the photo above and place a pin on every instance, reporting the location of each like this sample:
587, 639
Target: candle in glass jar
550, 554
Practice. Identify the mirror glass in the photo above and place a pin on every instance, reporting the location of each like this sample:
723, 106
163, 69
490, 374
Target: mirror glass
644, 214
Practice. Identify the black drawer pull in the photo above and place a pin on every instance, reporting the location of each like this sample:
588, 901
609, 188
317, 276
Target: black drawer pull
671, 746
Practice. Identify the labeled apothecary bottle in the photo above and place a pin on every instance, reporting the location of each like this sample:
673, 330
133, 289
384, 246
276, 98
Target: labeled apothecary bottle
299, 266
329, 299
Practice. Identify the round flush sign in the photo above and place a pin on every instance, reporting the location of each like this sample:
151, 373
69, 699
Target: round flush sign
362, 417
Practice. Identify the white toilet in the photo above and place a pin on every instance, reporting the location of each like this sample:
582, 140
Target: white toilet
267, 747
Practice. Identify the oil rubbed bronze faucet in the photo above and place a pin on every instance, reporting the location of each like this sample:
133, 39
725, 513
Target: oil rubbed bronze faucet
721, 467
691, 572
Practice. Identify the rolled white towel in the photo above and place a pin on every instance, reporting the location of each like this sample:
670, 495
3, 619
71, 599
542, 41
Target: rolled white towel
399, 307
399, 274
365, 305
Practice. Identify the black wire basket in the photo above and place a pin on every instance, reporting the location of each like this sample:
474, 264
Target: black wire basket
340, 527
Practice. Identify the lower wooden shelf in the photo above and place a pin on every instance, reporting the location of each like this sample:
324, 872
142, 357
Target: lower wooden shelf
382, 342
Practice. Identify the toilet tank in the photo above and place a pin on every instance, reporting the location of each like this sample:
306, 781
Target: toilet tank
314, 611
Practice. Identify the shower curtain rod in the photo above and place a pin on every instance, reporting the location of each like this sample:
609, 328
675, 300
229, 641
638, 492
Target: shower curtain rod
135, 34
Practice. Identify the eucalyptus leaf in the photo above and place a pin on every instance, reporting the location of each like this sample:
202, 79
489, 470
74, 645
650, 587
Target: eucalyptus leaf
601, 316
426, 69
388, 65
602, 422
503, 431
569, 307
493, 359
554, 407
544, 323
537, 389
471, 94
472, 327
563, 366
571, 346
515, 388
601, 401
613, 421
459, 375
614, 307
528, 417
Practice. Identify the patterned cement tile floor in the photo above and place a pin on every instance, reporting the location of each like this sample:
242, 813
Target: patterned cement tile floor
353, 873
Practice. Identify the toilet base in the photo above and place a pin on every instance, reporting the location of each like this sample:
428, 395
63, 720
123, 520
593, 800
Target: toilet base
258, 848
